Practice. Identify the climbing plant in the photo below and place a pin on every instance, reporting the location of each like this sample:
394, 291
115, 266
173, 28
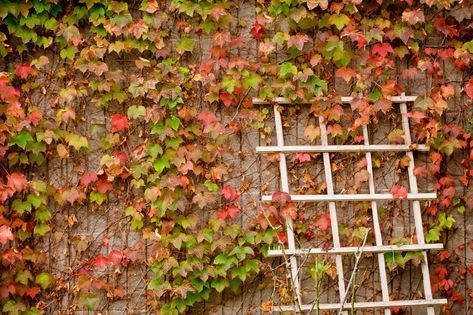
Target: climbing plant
154, 94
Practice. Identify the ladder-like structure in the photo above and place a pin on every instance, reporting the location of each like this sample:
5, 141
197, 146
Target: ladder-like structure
293, 252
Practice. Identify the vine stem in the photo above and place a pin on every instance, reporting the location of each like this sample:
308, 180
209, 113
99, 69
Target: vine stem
358, 255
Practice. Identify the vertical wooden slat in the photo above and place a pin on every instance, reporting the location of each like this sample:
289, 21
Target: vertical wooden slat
285, 188
376, 226
333, 211
416, 208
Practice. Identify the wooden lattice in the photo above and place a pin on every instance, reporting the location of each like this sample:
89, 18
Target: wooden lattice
293, 252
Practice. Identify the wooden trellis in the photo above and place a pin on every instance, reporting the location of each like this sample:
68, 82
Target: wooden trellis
293, 252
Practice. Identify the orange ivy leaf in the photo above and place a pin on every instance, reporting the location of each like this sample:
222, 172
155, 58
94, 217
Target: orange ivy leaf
323, 223
5, 234
345, 73
17, 181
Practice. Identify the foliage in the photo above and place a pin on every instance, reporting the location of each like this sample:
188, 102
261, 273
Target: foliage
135, 62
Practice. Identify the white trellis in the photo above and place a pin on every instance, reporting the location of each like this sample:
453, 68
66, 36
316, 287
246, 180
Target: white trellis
293, 252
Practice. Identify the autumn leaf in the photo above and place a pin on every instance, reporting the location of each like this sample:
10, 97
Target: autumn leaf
103, 186
297, 41
233, 211
258, 30
398, 192
23, 71
413, 16
87, 178
345, 73
312, 132
5, 234
101, 261
382, 49
17, 181
301, 157
281, 197
396, 136
323, 223
469, 88
229, 193
207, 117
119, 122
115, 256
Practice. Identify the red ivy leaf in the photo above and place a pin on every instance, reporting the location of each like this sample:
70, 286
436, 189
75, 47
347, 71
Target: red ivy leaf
289, 211
258, 30
101, 261
17, 181
23, 71
323, 222
302, 157
382, 49
233, 211
420, 171
227, 99
5, 234
281, 197
399, 191
207, 117
119, 122
469, 88
115, 256
103, 186
229, 193
88, 178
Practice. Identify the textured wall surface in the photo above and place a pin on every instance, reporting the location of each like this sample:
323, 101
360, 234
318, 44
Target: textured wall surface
88, 229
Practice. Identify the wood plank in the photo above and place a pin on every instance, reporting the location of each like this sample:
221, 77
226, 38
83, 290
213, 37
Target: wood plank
333, 212
344, 100
416, 207
356, 197
343, 148
292, 263
377, 228
351, 250
363, 305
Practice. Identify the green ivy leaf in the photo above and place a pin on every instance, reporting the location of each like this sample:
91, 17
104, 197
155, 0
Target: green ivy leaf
41, 229
432, 235
339, 20
185, 44
161, 164
69, 52
211, 186
44, 280
97, 197
173, 123
21, 139
20, 206
253, 80
23, 276
219, 284
287, 69
136, 111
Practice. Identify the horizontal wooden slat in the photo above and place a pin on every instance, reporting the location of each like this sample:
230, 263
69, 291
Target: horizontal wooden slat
351, 250
342, 148
345, 99
356, 197
361, 305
